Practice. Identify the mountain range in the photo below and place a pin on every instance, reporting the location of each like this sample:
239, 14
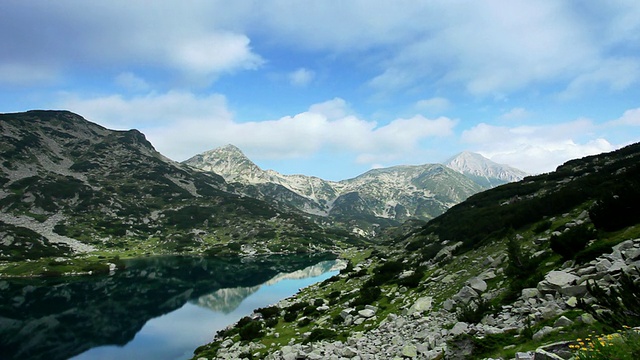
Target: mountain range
69, 186
381, 196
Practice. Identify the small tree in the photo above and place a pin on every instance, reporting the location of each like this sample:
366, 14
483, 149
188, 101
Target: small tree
621, 303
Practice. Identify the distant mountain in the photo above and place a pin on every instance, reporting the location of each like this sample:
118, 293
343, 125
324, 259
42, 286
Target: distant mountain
381, 196
484, 171
71, 186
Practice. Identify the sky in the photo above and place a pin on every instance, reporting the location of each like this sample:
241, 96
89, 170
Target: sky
335, 88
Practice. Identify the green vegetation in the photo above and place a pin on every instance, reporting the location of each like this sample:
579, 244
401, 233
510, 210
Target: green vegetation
621, 345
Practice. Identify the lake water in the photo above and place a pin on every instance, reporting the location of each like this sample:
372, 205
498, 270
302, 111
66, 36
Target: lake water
156, 308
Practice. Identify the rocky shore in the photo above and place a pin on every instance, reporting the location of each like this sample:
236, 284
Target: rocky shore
424, 328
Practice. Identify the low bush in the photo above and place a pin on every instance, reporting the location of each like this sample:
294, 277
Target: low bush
321, 334
251, 331
617, 306
572, 241
474, 311
269, 312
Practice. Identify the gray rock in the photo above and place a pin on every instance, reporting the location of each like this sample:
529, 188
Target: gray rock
349, 352
422, 304
406, 274
367, 313
560, 278
625, 245
587, 318
573, 290
524, 356
529, 293
572, 302
542, 333
603, 265
448, 304
562, 321
632, 254
477, 284
466, 294
345, 313
487, 275
459, 328
617, 266
409, 351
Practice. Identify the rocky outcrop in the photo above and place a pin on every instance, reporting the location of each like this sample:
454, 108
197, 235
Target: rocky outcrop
425, 330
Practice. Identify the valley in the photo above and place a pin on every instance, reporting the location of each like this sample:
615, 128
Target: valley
467, 259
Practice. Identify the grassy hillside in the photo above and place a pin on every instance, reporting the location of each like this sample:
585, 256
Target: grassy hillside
485, 279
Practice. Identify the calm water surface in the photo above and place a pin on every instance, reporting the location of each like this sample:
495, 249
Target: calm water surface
157, 308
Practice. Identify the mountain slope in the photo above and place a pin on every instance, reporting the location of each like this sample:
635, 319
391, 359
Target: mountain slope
70, 186
378, 197
484, 171
514, 269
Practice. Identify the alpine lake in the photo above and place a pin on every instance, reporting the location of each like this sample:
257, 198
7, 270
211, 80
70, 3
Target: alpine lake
155, 308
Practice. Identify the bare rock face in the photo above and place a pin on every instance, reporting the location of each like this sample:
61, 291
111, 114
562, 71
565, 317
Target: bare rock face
397, 193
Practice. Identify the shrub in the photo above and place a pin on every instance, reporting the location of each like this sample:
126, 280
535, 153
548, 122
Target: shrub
367, 295
290, 316
250, 331
620, 346
321, 334
269, 312
543, 226
570, 242
621, 303
474, 311
413, 280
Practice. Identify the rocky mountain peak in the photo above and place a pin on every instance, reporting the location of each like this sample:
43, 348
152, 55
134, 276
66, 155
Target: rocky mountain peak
229, 162
482, 170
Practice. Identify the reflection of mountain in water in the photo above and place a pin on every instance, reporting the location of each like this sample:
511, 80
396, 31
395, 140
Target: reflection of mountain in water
227, 300
62, 317
311, 271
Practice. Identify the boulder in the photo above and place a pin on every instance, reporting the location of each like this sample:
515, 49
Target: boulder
529, 293
422, 304
477, 284
617, 266
560, 278
603, 265
466, 294
562, 321
459, 328
406, 274
525, 356
625, 245
587, 318
574, 290
572, 302
556, 280
632, 254
542, 333
367, 313
410, 351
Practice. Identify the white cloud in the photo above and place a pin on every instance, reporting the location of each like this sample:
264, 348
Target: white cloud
517, 113
435, 104
536, 149
181, 124
629, 118
24, 74
214, 53
301, 77
487, 48
182, 41
131, 81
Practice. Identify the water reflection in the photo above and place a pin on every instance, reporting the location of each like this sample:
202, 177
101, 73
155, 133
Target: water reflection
60, 318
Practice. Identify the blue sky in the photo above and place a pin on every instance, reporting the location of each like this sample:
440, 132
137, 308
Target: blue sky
335, 88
